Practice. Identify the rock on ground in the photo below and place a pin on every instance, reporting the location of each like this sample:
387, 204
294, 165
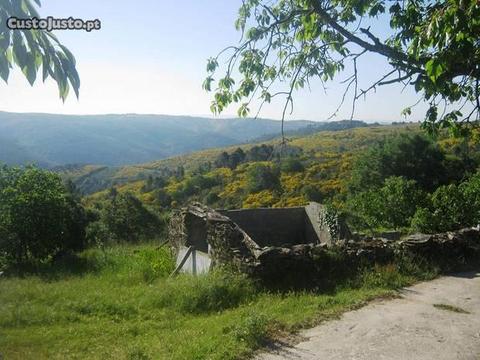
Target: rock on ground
409, 327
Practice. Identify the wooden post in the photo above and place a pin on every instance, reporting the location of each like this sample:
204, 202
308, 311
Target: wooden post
194, 261
184, 260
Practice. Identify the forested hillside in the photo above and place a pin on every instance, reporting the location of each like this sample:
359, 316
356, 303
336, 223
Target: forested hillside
355, 171
329, 148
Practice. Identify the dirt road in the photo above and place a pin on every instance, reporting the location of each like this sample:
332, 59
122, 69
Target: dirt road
433, 320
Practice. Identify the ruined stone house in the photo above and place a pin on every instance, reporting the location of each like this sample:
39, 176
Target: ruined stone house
277, 243
252, 240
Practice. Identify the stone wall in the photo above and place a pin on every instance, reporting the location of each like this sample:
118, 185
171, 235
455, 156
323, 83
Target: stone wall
275, 244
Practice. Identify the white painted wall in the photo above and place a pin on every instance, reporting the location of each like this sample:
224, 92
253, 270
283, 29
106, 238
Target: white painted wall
199, 259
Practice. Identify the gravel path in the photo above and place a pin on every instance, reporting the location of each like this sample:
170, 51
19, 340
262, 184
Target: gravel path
410, 327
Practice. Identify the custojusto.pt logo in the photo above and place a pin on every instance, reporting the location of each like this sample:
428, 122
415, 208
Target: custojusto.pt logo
50, 23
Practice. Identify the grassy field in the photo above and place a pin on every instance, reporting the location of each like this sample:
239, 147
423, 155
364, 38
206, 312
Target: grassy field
119, 303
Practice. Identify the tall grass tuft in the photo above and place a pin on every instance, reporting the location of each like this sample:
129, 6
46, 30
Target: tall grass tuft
216, 291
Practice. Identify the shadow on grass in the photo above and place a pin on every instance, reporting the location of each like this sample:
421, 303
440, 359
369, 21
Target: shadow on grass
64, 265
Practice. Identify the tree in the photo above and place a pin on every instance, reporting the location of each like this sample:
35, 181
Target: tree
262, 177
38, 217
433, 46
391, 206
260, 153
411, 156
471, 192
230, 160
450, 208
236, 158
292, 165
400, 198
126, 218
223, 160
32, 49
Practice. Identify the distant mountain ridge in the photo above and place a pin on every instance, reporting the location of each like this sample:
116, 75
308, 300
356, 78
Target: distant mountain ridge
55, 140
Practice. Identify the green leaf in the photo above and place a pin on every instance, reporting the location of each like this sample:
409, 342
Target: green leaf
434, 69
407, 112
212, 65
30, 70
5, 40
207, 84
4, 67
243, 111
19, 50
68, 54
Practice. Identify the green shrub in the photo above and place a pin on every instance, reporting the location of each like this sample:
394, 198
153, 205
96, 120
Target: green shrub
413, 157
212, 198
292, 165
262, 177
450, 208
392, 206
423, 221
125, 218
39, 218
471, 193
312, 193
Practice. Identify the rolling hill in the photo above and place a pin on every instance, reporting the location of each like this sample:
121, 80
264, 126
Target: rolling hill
318, 145
53, 140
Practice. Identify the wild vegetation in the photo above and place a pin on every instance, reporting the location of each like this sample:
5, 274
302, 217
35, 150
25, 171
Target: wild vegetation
87, 276
380, 178
118, 302
95, 284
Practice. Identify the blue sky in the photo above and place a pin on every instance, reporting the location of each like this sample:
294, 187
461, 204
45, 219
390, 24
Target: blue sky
150, 57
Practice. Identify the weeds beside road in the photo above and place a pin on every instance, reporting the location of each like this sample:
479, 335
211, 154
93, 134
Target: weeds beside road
119, 303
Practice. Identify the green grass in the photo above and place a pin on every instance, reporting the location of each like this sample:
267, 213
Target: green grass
119, 303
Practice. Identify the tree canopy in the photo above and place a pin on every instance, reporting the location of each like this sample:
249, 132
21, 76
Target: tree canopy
414, 157
433, 46
33, 49
38, 216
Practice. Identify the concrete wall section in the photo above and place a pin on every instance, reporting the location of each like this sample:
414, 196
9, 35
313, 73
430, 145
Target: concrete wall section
272, 227
316, 217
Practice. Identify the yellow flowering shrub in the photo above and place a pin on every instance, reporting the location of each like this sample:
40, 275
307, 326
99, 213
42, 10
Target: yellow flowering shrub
264, 198
291, 201
292, 182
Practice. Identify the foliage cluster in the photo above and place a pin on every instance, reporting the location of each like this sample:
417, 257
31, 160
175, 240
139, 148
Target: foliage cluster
409, 182
122, 217
42, 218
289, 45
39, 216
